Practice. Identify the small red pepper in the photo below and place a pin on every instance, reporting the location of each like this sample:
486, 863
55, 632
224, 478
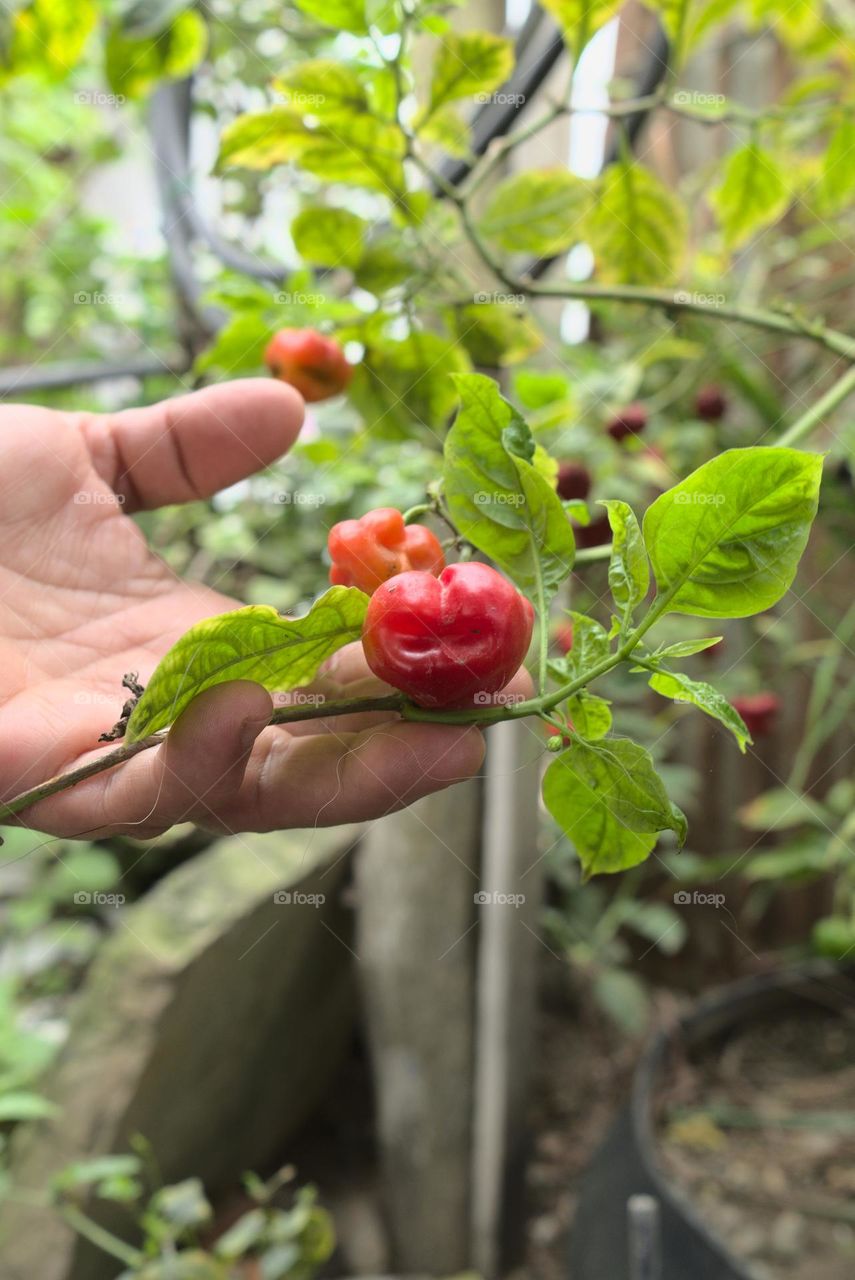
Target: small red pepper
448, 641
564, 636
759, 711
366, 552
310, 362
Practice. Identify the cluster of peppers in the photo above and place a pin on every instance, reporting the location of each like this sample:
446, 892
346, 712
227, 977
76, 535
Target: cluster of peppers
443, 634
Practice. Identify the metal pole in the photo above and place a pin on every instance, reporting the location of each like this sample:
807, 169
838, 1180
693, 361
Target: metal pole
645, 1246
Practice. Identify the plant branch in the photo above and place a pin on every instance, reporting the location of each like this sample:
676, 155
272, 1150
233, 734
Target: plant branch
835, 395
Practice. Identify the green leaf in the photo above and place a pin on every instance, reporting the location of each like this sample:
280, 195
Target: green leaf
753, 194
324, 88
685, 648
253, 643
468, 63
248, 1232
780, 809
636, 229
358, 150
495, 333
609, 800
834, 937
497, 498
590, 647
629, 573
726, 541
837, 182
399, 382
448, 130
537, 212
680, 688
263, 139
675, 19
50, 35
382, 266
341, 15
136, 65
581, 19
239, 345
183, 1204
623, 997
591, 716
329, 237
658, 922
16, 1107
86, 1172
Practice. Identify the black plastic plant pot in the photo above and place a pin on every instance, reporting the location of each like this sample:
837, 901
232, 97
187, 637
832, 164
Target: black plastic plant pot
627, 1162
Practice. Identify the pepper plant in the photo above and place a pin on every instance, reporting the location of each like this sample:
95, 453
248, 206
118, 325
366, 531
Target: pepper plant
723, 543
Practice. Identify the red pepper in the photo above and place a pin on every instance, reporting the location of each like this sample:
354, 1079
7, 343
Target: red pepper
564, 636
366, 552
314, 365
448, 641
759, 711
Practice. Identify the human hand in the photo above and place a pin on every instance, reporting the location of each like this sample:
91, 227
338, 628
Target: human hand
84, 600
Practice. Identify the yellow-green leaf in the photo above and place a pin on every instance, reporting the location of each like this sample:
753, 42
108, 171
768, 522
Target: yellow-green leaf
342, 15
636, 229
263, 139
255, 643
329, 237
468, 63
581, 19
753, 194
537, 212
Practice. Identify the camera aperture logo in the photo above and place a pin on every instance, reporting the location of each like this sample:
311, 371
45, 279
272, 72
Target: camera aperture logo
296, 898
698, 899
487, 898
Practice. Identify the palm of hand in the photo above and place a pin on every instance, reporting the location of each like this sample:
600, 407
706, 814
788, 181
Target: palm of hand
84, 601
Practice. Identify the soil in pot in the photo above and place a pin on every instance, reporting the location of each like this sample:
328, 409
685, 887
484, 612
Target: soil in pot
758, 1132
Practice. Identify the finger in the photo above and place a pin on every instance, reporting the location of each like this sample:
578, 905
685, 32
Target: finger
334, 778
197, 772
194, 445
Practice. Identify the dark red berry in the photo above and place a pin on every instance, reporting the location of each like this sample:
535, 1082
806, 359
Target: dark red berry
710, 403
631, 421
595, 534
574, 481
